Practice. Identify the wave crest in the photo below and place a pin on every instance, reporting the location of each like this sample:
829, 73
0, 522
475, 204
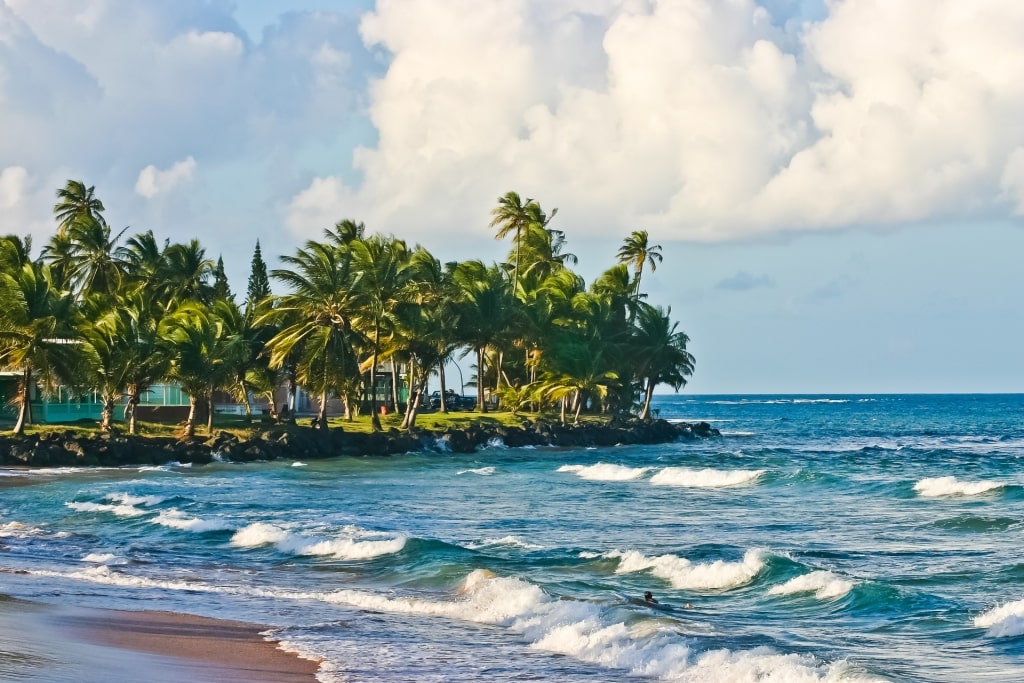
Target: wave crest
603, 471
705, 478
684, 574
949, 486
346, 547
1005, 621
824, 584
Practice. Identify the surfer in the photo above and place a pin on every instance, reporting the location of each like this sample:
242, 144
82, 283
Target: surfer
649, 598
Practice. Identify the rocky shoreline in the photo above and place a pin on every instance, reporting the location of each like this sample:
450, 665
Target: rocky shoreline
72, 449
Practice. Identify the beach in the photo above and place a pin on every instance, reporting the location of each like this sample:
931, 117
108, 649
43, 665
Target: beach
55, 643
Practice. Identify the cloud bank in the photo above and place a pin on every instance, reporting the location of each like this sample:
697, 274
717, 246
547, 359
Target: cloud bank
701, 120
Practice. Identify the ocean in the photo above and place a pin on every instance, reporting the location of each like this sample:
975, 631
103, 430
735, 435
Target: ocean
820, 538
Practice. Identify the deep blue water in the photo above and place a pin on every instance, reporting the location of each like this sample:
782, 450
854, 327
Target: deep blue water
820, 538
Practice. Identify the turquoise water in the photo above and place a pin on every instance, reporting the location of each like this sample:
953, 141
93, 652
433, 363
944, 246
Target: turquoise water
820, 538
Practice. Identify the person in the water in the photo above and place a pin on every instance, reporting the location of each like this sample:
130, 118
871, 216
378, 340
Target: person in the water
649, 597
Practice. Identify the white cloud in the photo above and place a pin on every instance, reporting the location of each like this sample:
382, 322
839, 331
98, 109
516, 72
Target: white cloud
13, 180
696, 119
152, 181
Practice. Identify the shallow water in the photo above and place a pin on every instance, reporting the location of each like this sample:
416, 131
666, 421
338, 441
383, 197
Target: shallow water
821, 538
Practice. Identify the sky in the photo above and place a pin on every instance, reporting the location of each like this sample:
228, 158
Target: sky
837, 185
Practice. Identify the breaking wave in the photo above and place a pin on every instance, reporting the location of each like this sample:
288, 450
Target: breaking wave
684, 574
704, 478
605, 471
949, 486
824, 584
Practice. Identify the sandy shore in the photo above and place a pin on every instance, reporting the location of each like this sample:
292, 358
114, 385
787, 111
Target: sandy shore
56, 644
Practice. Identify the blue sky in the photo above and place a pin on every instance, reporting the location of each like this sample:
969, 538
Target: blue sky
838, 187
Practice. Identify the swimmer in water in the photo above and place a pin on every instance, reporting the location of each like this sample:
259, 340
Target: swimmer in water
649, 597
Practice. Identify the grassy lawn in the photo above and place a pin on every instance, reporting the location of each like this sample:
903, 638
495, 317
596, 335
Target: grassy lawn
241, 427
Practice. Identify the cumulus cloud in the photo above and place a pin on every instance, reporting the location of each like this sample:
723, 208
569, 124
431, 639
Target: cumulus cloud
696, 119
152, 181
700, 120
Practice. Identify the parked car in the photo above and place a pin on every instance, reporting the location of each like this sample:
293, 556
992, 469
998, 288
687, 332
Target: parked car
452, 401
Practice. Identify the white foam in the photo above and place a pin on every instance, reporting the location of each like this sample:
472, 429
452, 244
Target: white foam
102, 558
347, 546
495, 442
120, 510
299, 464
571, 627
580, 630
176, 519
134, 501
482, 471
19, 530
1005, 621
949, 486
705, 478
513, 541
603, 471
824, 584
684, 574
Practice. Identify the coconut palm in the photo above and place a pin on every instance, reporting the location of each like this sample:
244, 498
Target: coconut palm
201, 353
638, 251
576, 367
108, 337
36, 332
382, 264
314, 318
659, 352
185, 275
147, 354
76, 202
488, 315
94, 269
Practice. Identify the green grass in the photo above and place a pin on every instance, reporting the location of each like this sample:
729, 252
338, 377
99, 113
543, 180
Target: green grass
240, 426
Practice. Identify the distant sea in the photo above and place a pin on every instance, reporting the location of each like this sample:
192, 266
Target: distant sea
821, 538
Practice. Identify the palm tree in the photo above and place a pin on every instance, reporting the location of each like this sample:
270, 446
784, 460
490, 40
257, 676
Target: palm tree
315, 317
94, 268
576, 368
106, 331
487, 314
637, 250
382, 264
200, 355
660, 353
184, 275
36, 331
147, 354
76, 202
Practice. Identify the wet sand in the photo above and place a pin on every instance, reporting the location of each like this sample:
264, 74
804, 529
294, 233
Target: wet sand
52, 643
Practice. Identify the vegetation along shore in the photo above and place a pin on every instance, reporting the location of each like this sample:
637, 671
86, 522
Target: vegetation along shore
362, 322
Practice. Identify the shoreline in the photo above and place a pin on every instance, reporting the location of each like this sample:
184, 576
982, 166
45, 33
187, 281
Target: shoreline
71, 449
43, 641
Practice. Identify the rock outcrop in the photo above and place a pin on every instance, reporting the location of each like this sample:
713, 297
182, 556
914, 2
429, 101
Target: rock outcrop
72, 449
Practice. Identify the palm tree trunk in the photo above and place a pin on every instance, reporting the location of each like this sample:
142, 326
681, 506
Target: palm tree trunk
190, 423
394, 383
648, 393
245, 397
209, 411
480, 380
24, 408
440, 376
579, 406
129, 407
107, 414
322, 416
413, 398
564, 401
374, 413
